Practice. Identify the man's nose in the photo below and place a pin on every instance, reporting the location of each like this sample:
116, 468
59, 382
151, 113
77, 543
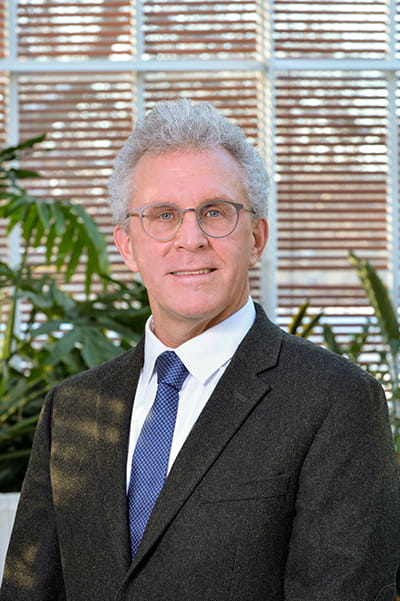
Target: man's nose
190, 233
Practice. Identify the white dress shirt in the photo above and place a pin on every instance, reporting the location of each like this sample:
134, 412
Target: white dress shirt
206, 357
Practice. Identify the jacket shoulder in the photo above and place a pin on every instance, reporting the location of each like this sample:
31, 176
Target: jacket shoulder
304, 364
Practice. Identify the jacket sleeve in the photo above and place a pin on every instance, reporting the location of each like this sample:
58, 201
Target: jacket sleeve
346, 533
33, 568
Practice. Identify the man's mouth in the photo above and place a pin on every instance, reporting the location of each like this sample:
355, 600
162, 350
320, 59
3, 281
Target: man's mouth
193, 272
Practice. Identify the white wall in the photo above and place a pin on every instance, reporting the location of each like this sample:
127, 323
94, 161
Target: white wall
8, 506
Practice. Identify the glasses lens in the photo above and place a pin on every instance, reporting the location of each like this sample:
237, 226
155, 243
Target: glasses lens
218, 218
160, 221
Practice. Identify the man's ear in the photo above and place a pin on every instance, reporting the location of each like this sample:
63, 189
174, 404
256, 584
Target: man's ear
260, 238
123, 242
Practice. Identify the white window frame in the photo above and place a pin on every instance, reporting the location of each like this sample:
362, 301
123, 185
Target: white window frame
268, 66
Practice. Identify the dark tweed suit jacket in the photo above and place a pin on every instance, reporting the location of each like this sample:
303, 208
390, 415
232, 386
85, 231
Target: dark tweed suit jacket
286, 488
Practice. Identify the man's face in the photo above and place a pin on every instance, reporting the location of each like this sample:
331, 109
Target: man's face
193, 281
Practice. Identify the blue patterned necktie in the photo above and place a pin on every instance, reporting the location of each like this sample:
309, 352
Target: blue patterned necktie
151, 454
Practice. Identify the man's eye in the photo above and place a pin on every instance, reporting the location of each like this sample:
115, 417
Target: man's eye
212, 212
162, 214
166, 216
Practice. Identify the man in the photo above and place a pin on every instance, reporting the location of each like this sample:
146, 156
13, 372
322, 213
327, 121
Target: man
278, 480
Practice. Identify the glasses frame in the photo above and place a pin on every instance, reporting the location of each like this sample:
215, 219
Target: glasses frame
138, 212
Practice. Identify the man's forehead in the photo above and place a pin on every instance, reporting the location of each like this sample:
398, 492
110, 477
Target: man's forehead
183, 152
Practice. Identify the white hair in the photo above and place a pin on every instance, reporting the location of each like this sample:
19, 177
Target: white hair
183, 125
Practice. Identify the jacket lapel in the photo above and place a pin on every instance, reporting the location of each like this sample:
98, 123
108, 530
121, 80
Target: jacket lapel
114, 407
238, 392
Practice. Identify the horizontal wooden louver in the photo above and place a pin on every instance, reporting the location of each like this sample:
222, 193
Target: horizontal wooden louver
332, 130
86, 117
331, 29
332, 188
234, 93
3, 30
75, 30
200, 29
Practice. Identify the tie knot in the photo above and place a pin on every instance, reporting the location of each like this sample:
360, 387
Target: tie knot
171, 370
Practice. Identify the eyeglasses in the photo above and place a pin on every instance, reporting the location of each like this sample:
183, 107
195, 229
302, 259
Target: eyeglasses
216, 219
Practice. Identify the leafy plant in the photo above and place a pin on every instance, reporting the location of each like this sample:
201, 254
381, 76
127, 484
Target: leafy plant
63, 334
302, 323
384, 323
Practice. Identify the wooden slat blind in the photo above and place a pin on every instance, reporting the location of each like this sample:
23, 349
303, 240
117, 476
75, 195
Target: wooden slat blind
331, 29
75, 30
3, 30
332, 164
86, 117
71, 109
234, 93
332, 126
200, 29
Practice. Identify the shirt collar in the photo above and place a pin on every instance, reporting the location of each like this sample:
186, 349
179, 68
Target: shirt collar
203, 355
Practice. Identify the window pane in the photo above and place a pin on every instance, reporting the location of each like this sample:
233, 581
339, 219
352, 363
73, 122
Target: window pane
74, 30
332, 187
200, 29
331, 29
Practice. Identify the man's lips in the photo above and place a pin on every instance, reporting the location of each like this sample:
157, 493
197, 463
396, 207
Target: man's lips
192, 271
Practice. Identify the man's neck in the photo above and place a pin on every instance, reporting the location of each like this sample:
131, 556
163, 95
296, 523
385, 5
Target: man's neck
181, 331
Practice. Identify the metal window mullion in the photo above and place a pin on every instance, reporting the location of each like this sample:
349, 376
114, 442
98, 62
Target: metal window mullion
139, 100
12, 123
152, 65
139, 51
269, 273
139, 30
13, 101
269, 261
392, 29
12, 33
138, 92
393, 190
12, 135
